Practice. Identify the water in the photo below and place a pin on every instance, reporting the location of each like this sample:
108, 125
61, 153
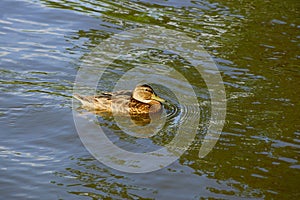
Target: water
256, 48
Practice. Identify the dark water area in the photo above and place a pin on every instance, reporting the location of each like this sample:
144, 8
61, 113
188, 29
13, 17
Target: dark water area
255, 45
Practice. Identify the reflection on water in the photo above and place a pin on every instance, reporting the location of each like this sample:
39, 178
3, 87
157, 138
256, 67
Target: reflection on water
256, 47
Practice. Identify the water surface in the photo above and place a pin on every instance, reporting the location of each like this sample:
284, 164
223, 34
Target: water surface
255, 45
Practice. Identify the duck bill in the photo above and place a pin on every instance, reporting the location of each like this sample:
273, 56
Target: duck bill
157, 98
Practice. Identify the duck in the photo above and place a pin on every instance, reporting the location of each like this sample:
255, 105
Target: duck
142, 100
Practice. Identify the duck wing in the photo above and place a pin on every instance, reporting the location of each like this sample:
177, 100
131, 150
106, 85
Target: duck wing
97, 102
117, 94
107, 101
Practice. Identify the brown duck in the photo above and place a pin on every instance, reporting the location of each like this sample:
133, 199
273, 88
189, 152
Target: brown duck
142, 100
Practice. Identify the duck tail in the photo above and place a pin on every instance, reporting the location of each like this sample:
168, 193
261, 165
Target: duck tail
82, 99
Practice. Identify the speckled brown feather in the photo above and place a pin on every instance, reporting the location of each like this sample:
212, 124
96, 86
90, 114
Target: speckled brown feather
118, 102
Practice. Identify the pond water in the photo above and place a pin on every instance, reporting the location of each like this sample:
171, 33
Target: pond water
254, 44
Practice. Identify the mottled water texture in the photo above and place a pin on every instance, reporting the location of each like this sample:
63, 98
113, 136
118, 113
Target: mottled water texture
255, 45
